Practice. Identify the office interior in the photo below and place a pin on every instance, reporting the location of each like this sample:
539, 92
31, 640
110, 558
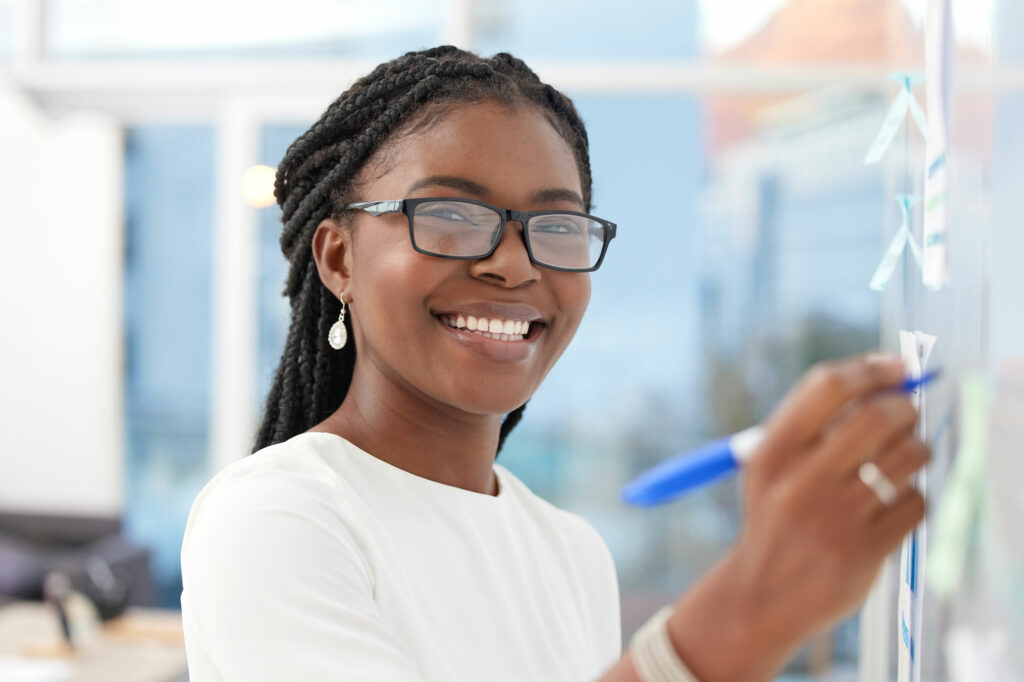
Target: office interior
142, 277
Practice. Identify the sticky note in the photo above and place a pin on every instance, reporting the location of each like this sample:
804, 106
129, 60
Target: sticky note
958, 508
903, 237
901, 103
915, 349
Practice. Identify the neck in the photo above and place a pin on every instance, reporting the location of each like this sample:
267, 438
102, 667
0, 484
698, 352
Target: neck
416, 433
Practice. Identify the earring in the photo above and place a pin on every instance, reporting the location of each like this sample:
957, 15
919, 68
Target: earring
338, 336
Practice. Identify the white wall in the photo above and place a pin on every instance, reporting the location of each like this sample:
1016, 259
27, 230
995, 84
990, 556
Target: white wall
61, 430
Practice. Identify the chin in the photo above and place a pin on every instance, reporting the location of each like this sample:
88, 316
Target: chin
491, 406
478, 400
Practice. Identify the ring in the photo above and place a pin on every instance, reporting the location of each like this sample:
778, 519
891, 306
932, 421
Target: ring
878, 482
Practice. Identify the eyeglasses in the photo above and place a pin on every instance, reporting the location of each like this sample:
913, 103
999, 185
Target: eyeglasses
465, 229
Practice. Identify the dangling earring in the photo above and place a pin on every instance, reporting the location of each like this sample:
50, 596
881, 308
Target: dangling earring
338, 336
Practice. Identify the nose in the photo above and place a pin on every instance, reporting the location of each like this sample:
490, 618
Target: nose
510, 263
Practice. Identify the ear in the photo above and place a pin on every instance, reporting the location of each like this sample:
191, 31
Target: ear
332, 251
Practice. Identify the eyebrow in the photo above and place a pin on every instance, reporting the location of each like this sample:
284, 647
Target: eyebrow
470, 187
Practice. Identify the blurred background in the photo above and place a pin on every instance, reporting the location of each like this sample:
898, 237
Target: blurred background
142, 275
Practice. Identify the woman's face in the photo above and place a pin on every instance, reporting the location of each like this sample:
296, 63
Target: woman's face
509, 157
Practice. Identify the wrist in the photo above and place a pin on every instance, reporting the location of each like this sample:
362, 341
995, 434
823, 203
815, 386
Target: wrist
654, 656
721, 629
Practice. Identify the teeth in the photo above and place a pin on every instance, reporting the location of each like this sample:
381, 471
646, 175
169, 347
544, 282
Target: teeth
502, 330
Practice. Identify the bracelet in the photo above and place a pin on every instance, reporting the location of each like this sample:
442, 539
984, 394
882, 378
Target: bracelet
654, 656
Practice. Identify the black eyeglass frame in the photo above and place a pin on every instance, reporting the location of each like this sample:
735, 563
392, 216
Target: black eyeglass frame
408, 207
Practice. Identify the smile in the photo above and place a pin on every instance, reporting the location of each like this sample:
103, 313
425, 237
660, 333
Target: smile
494, 328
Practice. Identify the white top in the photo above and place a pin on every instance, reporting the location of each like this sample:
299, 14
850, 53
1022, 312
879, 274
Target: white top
313, 560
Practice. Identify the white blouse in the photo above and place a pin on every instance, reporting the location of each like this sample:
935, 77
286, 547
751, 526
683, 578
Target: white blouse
313, 560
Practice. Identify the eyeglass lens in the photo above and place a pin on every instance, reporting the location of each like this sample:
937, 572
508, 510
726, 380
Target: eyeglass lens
452, 228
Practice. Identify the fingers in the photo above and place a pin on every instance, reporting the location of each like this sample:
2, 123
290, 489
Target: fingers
901, 461
815, 530
875, 424
824, 391
894, 522
897, 463
888, 524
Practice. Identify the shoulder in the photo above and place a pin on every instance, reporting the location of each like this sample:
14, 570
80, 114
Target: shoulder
586, 558
285, 476
575, 530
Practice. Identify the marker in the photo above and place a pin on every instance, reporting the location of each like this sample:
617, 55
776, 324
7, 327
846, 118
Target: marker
690, 470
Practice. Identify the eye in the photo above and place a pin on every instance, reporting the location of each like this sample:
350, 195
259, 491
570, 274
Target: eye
554, 224
449, 212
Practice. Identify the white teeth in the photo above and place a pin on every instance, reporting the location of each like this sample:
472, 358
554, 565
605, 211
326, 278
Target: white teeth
502, 330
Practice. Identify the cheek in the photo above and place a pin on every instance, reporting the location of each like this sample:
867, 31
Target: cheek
388, 289
576, 296
572, 294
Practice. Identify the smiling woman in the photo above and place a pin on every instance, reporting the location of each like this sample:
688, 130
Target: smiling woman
439, 209
420, 384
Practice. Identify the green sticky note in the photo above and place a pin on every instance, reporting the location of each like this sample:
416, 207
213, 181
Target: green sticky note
958, 508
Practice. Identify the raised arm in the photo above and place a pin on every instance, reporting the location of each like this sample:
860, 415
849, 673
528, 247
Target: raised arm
814, 536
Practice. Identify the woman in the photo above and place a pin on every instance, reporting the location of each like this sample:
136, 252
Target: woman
372, 536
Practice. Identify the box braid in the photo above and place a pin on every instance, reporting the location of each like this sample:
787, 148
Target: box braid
317, 177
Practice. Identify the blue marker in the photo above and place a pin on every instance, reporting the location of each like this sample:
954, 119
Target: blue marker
696, 468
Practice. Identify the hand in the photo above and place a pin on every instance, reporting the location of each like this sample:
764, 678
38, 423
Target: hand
815, 535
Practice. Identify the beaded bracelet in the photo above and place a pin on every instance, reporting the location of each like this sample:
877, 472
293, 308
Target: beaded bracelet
653, 655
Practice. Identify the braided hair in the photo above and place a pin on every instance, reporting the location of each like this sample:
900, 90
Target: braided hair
317, 178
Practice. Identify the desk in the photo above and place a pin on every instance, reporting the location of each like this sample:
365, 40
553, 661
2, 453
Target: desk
142, 645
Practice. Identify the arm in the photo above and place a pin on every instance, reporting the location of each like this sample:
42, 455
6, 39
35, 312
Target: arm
814, 537
713, 619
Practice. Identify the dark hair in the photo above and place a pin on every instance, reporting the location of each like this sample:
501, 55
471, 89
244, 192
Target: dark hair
317, 177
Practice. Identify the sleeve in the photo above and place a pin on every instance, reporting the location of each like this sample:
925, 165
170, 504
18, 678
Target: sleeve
278, 588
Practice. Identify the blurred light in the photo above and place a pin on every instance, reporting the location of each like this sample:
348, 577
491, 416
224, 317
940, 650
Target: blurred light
258, 186
727, 23
124, 26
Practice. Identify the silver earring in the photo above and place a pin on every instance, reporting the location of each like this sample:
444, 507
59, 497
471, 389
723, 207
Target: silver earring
338, 336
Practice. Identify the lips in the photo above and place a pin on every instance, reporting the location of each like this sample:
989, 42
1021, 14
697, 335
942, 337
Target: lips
491, 310
494, 347
496, 330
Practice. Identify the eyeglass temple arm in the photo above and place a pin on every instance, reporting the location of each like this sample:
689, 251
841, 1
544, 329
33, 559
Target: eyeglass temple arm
376, 208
